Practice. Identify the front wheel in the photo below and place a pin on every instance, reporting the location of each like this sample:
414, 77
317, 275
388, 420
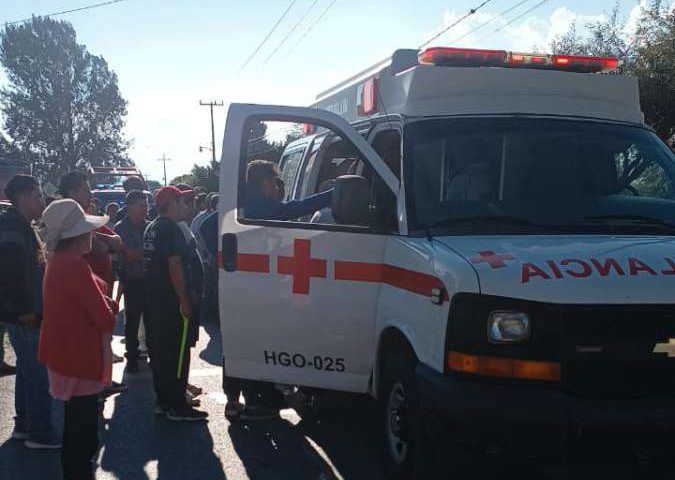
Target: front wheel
404, 442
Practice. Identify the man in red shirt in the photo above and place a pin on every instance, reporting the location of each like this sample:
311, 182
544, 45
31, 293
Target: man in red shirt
75, 185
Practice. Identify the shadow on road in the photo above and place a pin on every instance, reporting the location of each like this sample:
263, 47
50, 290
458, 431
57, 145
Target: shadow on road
342, 444
142, 446
213, 353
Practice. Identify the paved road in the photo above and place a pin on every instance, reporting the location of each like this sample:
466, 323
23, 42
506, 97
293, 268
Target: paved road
343, 445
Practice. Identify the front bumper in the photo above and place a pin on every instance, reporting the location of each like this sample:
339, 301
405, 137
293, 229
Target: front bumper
491, 405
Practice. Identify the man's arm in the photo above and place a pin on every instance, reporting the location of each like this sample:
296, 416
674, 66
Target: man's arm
299, 208
113, 242
178, 282
15, 289
209, 233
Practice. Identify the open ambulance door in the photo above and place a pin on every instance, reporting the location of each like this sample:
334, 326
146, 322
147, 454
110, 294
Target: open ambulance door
298, 300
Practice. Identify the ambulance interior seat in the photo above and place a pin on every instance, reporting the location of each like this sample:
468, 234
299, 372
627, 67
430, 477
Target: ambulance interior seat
474, 166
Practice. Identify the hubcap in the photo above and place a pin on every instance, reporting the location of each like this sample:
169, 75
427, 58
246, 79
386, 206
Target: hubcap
396, 423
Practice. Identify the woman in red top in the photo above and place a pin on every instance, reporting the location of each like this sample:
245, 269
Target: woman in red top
78, 321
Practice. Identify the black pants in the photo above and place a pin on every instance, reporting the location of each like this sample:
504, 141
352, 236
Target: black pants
134, 304
169, 355
80, 437
255, 392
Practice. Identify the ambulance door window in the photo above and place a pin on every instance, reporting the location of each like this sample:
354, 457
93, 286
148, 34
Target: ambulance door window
275, 156
288, 169
310, 169
388, 145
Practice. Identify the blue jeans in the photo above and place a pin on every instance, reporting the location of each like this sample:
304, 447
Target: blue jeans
32, 401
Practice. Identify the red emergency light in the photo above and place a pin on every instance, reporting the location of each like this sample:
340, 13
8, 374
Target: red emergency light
578, 63
366, 102
462, 57
468, 57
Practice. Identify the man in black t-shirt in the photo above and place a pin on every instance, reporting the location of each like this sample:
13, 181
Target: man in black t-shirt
169, 308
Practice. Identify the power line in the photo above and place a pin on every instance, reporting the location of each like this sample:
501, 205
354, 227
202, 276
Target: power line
269, 34
529, 10
311, 27
290, 32
454, 24
499, 15
87, 7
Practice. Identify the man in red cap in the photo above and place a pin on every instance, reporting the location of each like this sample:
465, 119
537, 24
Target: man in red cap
169, 308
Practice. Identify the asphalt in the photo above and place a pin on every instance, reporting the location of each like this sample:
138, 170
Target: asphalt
342, 443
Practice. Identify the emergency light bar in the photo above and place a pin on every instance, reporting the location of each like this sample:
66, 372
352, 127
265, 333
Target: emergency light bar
468, 57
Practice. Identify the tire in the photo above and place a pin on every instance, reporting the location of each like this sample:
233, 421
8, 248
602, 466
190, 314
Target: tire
404, 443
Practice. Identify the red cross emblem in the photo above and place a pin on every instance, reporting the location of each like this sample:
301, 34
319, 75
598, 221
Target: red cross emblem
492, 259
302, 266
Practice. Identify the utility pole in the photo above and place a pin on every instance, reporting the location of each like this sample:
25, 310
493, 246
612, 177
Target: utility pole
213, 133
164, 160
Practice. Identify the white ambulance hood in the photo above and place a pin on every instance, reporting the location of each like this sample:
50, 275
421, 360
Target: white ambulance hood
589, 269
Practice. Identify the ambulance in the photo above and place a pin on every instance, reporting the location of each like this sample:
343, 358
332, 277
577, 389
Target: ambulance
498, 253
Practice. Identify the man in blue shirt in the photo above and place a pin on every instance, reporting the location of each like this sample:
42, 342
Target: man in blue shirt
263, 202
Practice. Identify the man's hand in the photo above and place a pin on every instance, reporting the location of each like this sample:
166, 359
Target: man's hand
186, 309
112, 304
29, 320
133, 255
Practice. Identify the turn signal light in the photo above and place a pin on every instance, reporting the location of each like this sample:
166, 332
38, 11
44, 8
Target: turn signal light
503, 367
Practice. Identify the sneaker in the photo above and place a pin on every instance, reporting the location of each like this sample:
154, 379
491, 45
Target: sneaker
187, 414
194, 390
113, 389
233, 410
17, 435
6, 369
192, 401
257, 412
43, 444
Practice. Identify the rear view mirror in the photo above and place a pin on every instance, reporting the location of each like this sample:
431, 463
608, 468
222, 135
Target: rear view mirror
351, 200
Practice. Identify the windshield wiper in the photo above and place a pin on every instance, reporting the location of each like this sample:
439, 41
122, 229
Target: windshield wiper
503, 219
638, 220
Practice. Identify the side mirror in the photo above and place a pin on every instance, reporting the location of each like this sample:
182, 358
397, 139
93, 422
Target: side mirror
351, 200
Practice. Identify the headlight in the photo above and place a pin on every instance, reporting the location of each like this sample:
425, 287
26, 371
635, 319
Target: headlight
508, 327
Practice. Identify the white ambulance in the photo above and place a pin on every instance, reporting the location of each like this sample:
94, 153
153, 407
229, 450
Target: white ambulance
498, 253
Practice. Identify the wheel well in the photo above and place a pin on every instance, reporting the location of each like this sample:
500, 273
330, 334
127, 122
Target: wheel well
392, 340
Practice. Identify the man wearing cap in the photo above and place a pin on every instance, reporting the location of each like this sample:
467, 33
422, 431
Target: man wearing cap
130, 183
22, 261
169, 306
131, 229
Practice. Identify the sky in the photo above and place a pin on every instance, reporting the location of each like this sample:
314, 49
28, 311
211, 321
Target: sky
170, 54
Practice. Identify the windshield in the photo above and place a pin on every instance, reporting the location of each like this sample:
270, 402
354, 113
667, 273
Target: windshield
493, 176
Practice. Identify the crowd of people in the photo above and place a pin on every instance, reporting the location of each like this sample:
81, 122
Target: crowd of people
60, 308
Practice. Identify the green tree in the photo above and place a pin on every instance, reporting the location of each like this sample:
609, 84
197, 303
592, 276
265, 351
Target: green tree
649, 55
62, 108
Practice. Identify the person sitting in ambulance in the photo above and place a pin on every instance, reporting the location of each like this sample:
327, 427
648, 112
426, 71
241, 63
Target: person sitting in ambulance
263, 201
262, 195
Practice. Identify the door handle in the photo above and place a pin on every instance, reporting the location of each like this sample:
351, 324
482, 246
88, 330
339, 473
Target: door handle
228, 247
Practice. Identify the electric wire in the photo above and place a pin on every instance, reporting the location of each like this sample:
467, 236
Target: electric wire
455, 23
292, 30
63, 12
529, 10
269, 34
311, 27
484, 24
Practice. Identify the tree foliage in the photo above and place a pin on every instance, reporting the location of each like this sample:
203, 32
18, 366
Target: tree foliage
62, 109
648, 53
